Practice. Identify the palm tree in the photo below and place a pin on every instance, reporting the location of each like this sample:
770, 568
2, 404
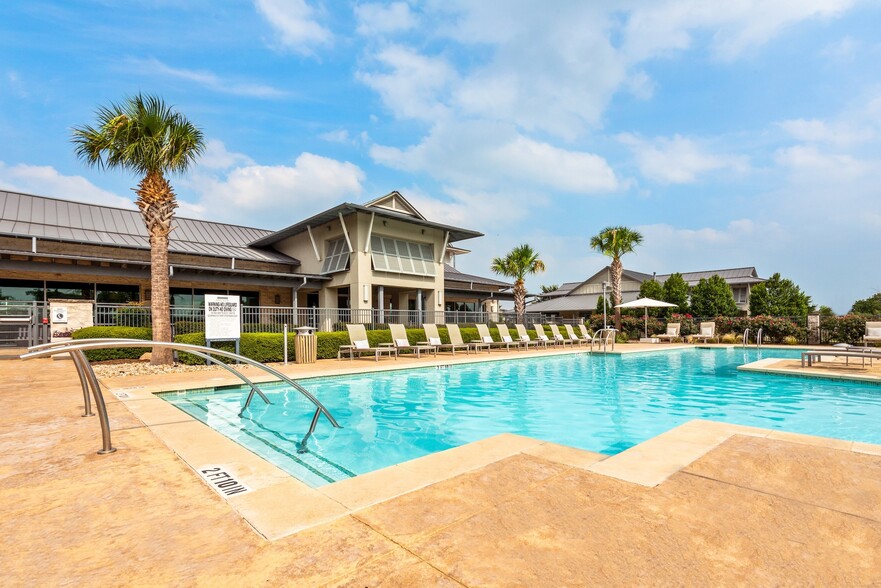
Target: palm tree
520, 261
145, 136
615, 242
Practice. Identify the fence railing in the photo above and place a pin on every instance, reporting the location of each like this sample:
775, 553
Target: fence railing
270, 319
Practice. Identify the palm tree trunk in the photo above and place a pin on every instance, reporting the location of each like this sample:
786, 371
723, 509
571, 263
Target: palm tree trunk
156, 202
617, 271
519, 299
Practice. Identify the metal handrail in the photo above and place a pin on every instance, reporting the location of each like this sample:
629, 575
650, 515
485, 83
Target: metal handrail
759, 337
76, 349
746, 337
243, 377
605, 333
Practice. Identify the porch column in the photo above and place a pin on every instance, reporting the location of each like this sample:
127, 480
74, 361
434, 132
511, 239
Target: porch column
419, 317
327, 299
380, 298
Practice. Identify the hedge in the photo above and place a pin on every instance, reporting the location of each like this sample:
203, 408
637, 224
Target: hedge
115, 333
269, 347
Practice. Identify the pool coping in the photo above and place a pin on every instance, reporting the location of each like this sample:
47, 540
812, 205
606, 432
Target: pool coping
278, 505
764, 366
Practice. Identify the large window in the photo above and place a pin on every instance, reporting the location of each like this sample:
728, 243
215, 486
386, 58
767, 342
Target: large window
337, 257
402, 257
118, 293
70, 291
21, 290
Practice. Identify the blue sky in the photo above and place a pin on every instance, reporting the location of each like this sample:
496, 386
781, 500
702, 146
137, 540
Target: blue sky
730, 134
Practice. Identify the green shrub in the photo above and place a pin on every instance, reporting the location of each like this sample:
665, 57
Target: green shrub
115, 333
849, 328
729, 338
132, 316
790, 340
183, 327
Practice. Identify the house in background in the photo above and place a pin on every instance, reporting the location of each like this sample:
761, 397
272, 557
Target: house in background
357, 262
579, 299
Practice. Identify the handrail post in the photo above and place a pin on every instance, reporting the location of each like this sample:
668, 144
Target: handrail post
81, 372
106, 444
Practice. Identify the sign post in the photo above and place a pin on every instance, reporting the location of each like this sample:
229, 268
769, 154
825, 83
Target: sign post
223, 319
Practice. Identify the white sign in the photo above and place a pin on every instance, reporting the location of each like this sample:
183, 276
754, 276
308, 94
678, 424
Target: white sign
222, 317
59, 314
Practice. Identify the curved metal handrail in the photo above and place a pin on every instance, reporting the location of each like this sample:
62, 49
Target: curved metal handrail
745, 342
759, 337
78, 347
605, 333
63, 344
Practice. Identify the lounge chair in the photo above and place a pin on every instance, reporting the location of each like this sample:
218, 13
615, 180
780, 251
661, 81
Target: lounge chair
433, 337
570, 333
360, 346
526, 339
401, 343
585, 334
541, 335
558, 338
506, 337
707, 332
485, 337
456, 339
672, 332
873, 332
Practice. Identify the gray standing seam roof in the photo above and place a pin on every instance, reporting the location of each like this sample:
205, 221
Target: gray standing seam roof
50, 218
454, 275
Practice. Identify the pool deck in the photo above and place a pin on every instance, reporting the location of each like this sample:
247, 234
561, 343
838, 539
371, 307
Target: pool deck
705, 503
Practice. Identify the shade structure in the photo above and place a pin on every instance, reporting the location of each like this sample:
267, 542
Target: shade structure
645, 303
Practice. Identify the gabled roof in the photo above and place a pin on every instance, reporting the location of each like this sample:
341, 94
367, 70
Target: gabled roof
395, 202
454, 275
26, 215
456, 233
562, 290
738, 275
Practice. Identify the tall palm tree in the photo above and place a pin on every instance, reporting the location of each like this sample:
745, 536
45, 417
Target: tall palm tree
520, 261
145, 136
615, 242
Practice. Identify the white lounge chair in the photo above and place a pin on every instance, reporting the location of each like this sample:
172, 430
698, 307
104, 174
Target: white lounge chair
508, 340
707, 332
526, 339
672, 332
359, 345
434, 338
559, 339
456, 339
873, 332
541, 334
585, 334
570, 333
401, 343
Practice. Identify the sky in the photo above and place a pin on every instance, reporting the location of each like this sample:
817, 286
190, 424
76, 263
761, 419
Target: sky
730, 134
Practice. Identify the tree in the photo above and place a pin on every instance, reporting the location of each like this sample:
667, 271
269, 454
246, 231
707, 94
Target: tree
826, 311
549, 289
777, 296
676, 292
599, 308
522, 260
870, 305
615, 242
652, 289
712, 298
144, 136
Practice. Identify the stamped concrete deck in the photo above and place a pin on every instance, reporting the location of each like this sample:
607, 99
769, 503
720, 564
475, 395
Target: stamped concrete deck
705, 504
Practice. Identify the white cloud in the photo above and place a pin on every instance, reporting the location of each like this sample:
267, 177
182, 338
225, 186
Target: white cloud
377, 19
412, 85
818, 131
843, 49
677, 160
343, 137
809, 164
44, 180
217, 157
207, 79
294, 21
485, 156
276, 194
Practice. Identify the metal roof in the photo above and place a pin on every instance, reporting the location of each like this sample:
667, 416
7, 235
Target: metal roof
574, 302
737, 275
50, 218
454, 275
456, 233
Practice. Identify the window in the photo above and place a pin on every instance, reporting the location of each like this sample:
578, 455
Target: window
337, 258
118, 294
70, 290
402, 257
21, 290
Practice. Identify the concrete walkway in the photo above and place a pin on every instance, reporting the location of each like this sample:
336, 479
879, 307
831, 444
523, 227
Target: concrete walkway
754, 511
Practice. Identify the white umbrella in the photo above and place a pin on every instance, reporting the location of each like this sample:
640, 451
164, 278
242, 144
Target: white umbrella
645, 303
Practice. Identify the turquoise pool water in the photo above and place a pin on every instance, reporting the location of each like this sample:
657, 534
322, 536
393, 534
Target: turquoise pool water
599, 403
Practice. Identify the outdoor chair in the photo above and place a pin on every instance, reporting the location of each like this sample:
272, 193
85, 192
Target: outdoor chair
707, 332
541, 335
360, 346
585, 334
526, 339
456, 339
873, 332
558, 338
485, 337
401, 343
507, 339
672, 332
433, 336
570, 333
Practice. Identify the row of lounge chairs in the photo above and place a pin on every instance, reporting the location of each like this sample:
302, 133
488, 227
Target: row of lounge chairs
360, 346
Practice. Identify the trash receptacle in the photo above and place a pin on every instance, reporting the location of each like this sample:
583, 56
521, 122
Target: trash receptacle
305, 345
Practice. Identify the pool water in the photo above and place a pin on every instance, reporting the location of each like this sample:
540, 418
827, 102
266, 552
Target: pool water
602, 403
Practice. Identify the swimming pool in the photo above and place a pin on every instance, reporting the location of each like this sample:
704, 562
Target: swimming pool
595, 402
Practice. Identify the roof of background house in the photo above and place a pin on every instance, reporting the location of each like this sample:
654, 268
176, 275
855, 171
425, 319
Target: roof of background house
63, 220
561, 290
565, 303
454, 275
738, 275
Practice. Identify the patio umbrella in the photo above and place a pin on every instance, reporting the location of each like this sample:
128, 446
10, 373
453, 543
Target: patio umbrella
645, 303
